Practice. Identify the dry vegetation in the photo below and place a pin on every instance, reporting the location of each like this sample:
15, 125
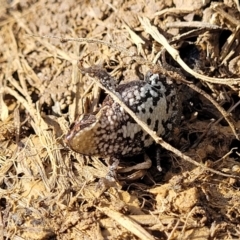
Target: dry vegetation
49, 192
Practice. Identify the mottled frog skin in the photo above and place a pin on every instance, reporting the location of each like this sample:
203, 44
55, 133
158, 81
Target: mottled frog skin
111, 132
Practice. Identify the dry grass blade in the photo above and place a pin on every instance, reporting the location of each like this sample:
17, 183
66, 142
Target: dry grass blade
1, 227
3, 107
128, 223
135, 38
172, 10
229, 111
131, 54
194, 24
88, 40
4, 170
226, 15
153, 31
227, 50
173, 230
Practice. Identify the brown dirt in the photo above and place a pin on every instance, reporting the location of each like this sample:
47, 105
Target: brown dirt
48, 191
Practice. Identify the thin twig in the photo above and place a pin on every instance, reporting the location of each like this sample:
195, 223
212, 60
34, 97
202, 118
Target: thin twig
127, 223
193, 24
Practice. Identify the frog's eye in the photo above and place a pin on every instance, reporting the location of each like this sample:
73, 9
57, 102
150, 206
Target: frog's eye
83, 121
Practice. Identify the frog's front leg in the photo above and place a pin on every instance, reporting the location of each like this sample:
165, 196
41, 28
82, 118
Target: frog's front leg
135, 172
131, 173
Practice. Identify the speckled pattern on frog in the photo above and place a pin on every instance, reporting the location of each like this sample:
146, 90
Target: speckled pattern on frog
110, 131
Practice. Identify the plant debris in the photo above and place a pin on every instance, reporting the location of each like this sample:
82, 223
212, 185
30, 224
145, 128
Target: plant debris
47, 191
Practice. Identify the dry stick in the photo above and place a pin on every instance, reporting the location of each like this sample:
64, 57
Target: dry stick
172, 10
191, 33
228, 111
193, 24
127, 223
3, 107
227, 48
93, 40
1, 227
173, 230
88, 40
154, 135
153, 31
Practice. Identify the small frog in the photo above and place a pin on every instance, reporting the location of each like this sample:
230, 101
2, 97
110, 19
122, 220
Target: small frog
110, 131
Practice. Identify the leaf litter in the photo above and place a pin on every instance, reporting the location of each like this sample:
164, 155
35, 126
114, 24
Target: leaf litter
49, 192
